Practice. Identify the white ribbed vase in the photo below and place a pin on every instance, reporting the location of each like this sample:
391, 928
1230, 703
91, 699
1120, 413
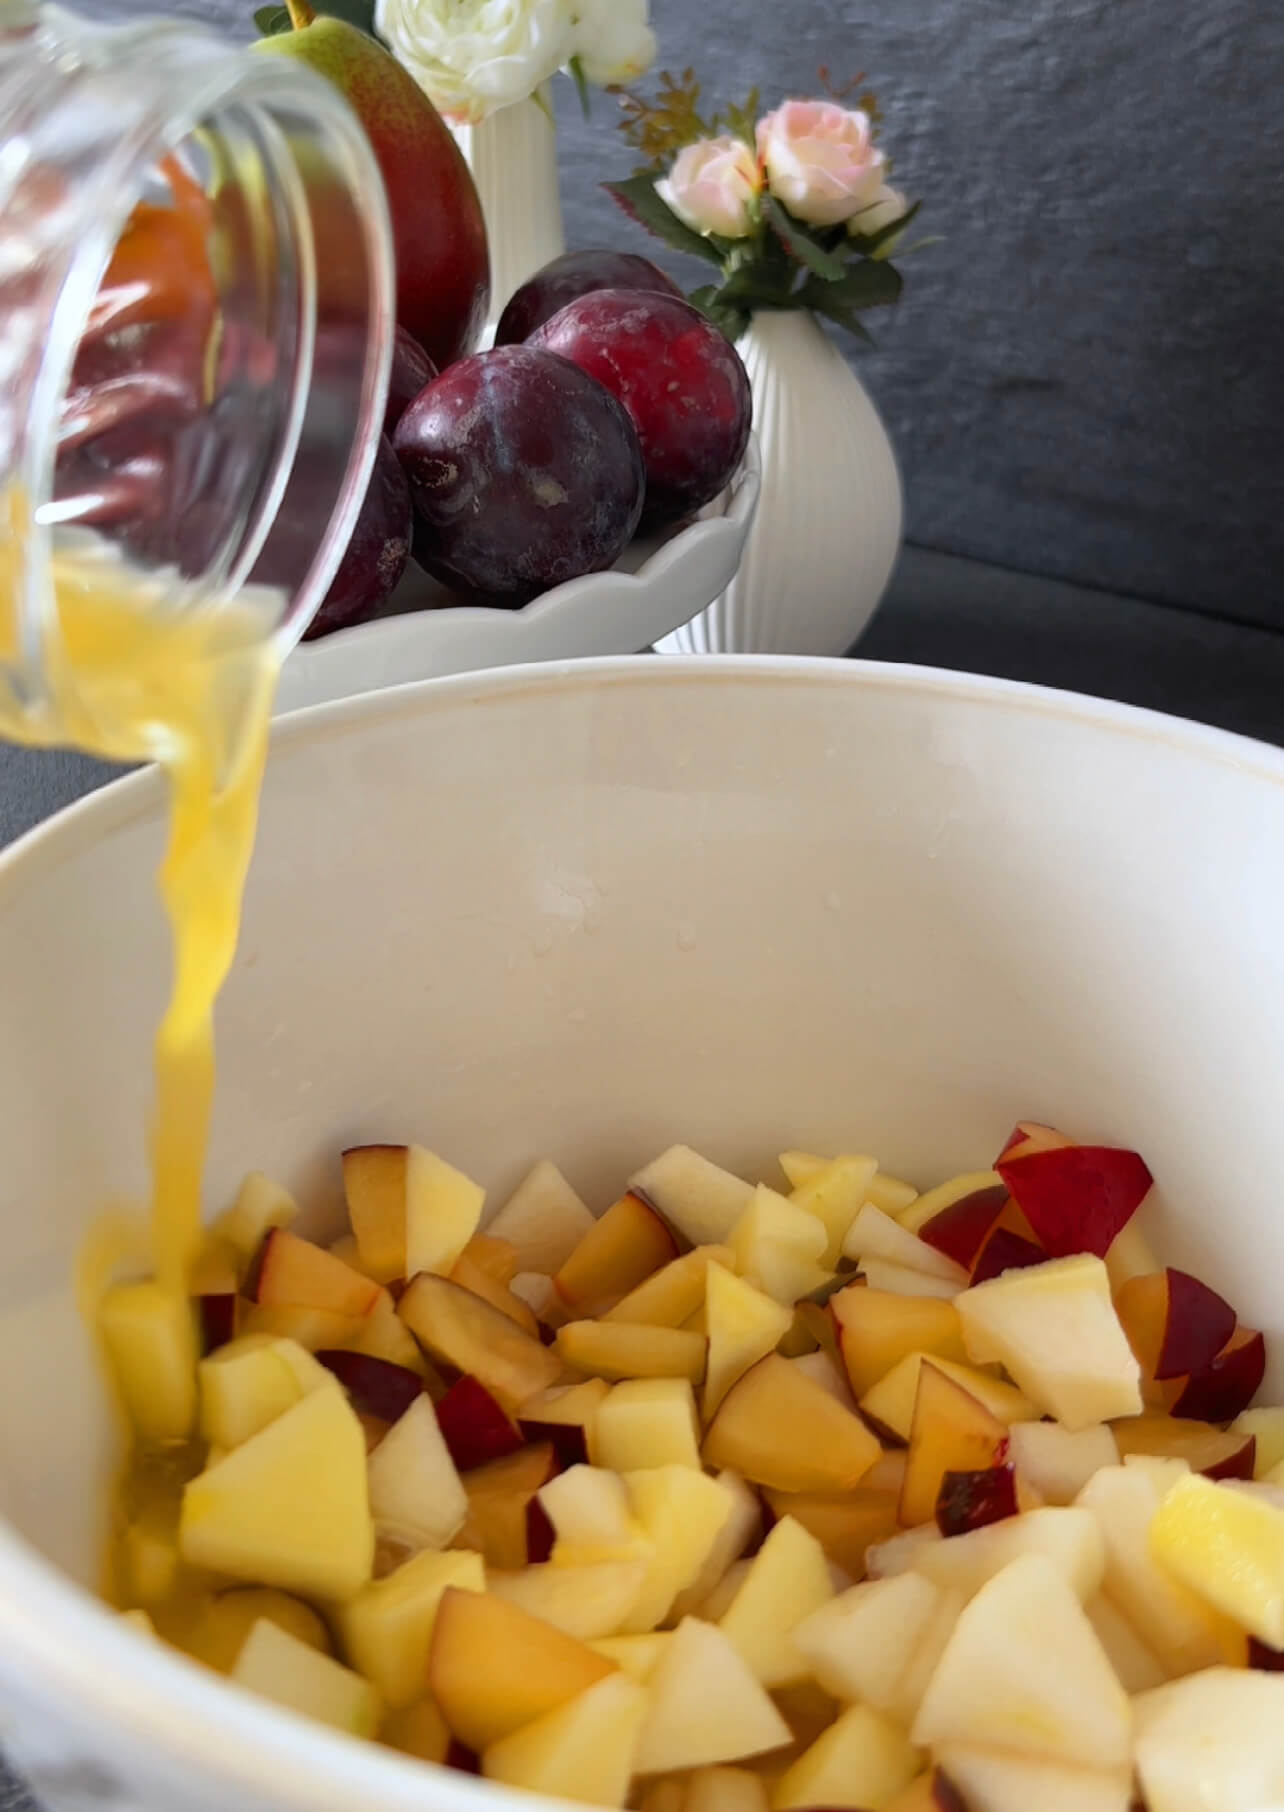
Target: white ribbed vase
513, 158
828, 527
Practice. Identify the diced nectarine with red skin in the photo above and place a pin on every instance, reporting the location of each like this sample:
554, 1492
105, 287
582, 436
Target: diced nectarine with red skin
1217, 1453
845, 1523
877, 1329
779, 1428
499, 1497
470, 1275
974, 1500
1006, 1251
291, 1272
463, 1331
625, 1246
1077, 1197
951, 1432
1031, 1135
565, 1416
473, 1425
376, 1387
1226, 1387
960, 1230
1175, 1324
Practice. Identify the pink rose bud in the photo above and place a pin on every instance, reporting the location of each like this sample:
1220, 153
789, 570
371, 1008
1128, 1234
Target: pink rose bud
887, 207
712, 187
820, 159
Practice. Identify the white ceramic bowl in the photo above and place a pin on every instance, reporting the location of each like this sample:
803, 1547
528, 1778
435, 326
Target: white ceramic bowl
584, 911
659, 584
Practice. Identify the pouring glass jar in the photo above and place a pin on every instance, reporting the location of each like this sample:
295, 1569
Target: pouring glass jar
196, 319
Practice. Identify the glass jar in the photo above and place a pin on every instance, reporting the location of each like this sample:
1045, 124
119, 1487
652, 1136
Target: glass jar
196, 319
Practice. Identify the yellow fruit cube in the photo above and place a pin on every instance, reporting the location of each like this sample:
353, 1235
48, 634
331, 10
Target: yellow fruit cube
1228, 1546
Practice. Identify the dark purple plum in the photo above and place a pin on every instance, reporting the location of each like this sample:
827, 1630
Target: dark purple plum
411, 370
525, 472
377, 553
973, 1500
681, 380
377, 1386
566, 278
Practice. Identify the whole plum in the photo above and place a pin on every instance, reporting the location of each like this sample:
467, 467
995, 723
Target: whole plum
376, 555
411, 369
681, 380
525, 472
575, 274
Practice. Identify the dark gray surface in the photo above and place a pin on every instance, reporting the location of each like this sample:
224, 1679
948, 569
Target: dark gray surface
1086, 378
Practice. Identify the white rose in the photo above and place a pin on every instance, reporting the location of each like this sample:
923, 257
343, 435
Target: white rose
820, 159
887, 207
472, 57
613, 41
712, 187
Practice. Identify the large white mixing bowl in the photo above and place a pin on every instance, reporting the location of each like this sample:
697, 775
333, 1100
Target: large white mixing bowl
584, 912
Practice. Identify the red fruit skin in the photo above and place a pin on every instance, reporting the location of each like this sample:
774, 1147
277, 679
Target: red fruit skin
567, 1439
1225, 1388
972, 1500
460, 1757
946, 1794
1239, 1465
1198, 1324
1265, 1659
1026, 1130
567, 278
960, 1230
679, 378
376, 1386
473, 1426
217, 1314
1077, 1197
541, 1536
1006, 1251
411, 369
376, 555
525, 473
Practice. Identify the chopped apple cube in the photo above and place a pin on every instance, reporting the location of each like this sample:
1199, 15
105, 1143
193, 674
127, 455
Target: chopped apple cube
1055, 1329
582, 1750
289, 1272
1136, 1667
1024, 1671
461, 1330
781, 1429
244, 1386
987, 1184
1228, 1547
778, 1247
492, 1668
845, 1523
787, 1580
260, 1205
874, 1234
150, 1336
702, 1201
743, 1524
1267, 1428
801, 1166
876, 1330
862, 1760
383, 1335
725, 1790
417, 1729
906, 1695
647, 1422
616, 1254
279, 1667
682, 1513
822, 1370
443, 1211
899, 1280
720, 1599
216, 1634
1212, 1743
416, 1497
836, 1197
1058, 1462
374, 1186
859, 1645
951, 1431
1069, 1540
290, 1507
621, 1350
588, 1602
387, 1628
892, 1194
705, 1706
637, 1656
890, 1403
592, 1517
995, 1780
544, 1219
744, 1325
668, 1298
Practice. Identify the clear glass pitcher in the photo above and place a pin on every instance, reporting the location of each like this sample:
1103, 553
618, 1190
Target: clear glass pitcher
196, 319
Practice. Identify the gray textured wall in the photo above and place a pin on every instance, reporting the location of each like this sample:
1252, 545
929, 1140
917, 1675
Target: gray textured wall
1086, 379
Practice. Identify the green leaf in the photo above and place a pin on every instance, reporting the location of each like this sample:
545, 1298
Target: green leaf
637, 196
271, 21
828, 305
872, 243
799, 243
862, 285
575, 69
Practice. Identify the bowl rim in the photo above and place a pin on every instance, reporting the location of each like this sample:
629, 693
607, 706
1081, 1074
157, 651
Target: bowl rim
60, 1643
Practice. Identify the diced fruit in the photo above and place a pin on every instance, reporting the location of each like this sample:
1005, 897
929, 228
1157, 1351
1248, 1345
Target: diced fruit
260, 1205
738, 1532
973, 1500
681, 1513
668, 1298
860, 1644
892, 1194
1175, 1324
787, 1580
291, 1272
493, 1668
702, 1201
614, 1256
862, 1760
290, 1507
491, 1253
891, 1401
1032, 1135
475, 1428
383, 1335
416, 1497
500, 1498
544, 1219
933, 1202
1213, 1741
874, 1234
822, 1370
387, 1628
217, 1314
417, 1729
713, 1608
153, 1565
1055, 1329
801, 1166
725, 1790
705, 1706
994, 1780
906, 1695
461, 1330
877, 1330
1130, 1255
664, 1796
217, 1633
1226, 1387
279, 1667
150, 1336
590, 1511
778, 1246
619, 1349
647, 1422
566, 1415
1024, 1670
744, 1325
1228, 1547
845, 1523
1058, 1462
472, 1275
376, 1386
374, 1186
1136, 1667
899, 1280
951, 1431
311, 1329
1267, 1428
244, 1386
1217, 1454
637, 1656
1069, 1540
587, 1602
1077, 1197
538, 1294
808, 1711
837, 1197
781, 1429
582, 1750
1006, 1251
410, 1210
1169, 1619
960, 1228
1261, 1655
